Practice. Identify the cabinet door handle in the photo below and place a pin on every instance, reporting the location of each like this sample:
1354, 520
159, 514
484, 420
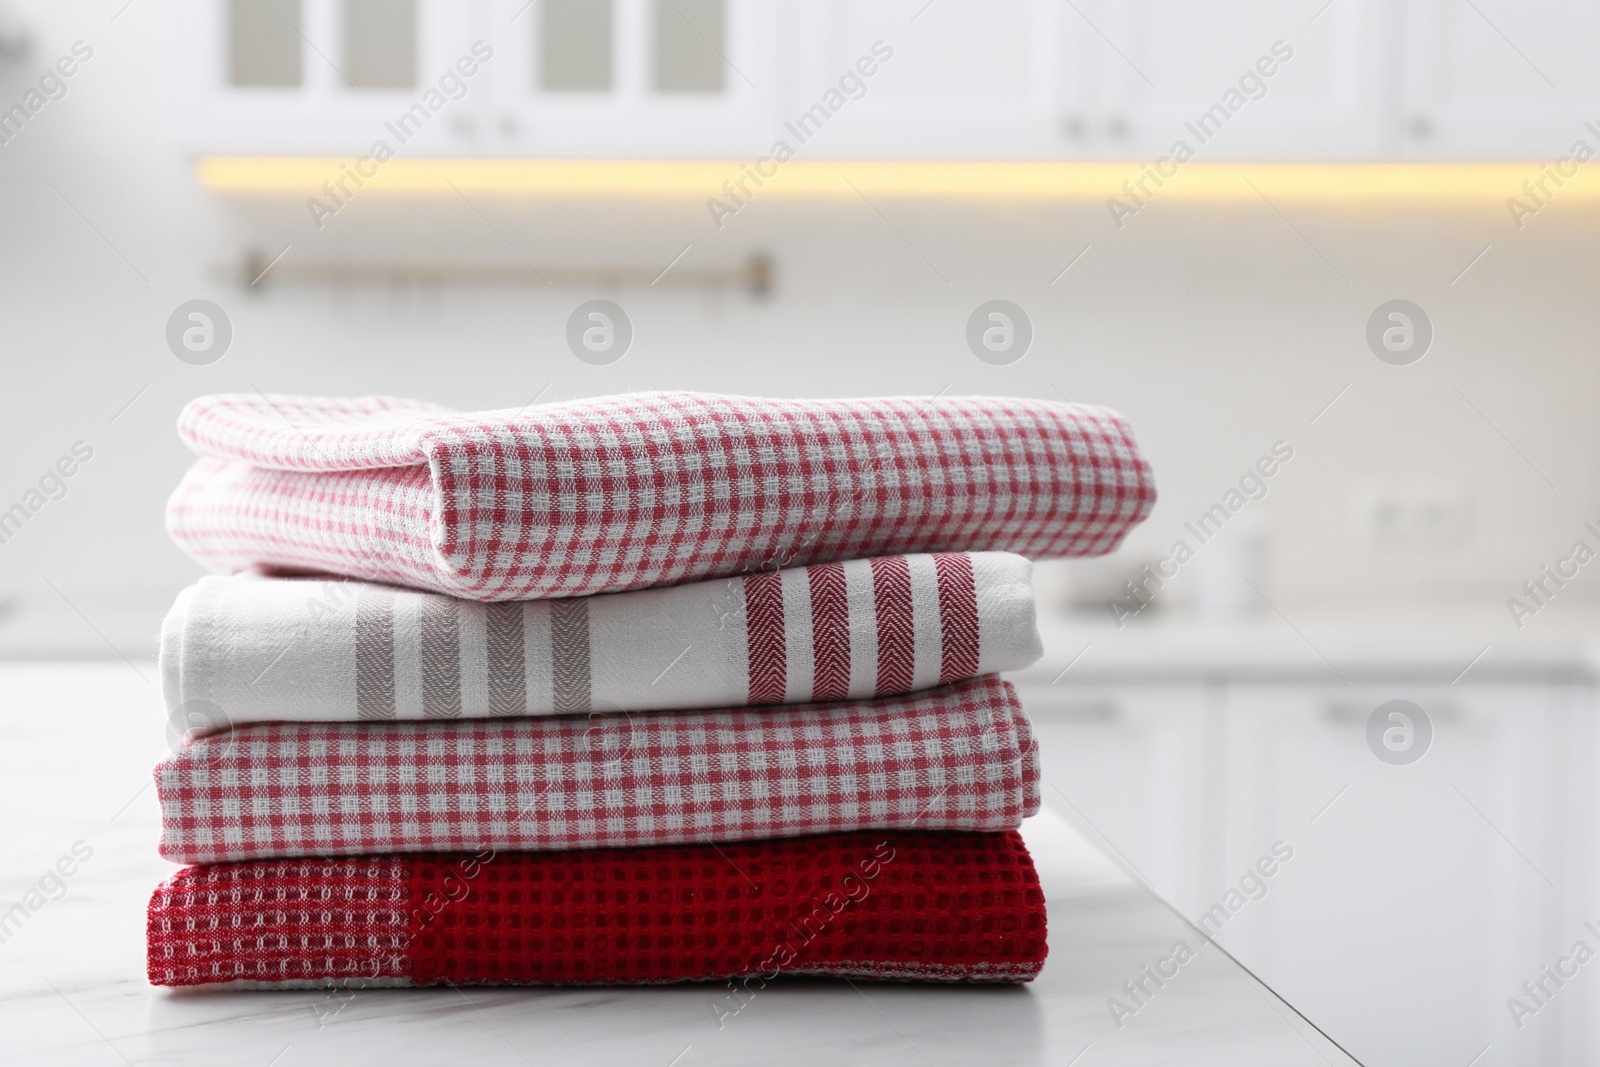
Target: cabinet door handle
1078, 711
1356, 711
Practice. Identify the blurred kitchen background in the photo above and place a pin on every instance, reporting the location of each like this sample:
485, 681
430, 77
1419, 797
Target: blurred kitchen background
1345, 154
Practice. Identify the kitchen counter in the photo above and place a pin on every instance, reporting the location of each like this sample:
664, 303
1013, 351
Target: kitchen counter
1082, 651
81, 738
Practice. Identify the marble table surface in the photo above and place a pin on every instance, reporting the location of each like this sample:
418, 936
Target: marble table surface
79, 740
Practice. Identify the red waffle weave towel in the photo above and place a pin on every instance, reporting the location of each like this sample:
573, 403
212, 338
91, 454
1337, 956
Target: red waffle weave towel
960, 757
924, 906
624, 492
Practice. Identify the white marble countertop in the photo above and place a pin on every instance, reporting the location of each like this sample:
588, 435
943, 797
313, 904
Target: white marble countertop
79, 739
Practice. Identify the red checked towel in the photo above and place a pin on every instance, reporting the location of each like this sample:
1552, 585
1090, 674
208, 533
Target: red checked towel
960, 757
624, 492
238, 650
926, 906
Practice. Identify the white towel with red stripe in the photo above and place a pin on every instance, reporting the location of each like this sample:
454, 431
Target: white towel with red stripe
646, 489
250, 649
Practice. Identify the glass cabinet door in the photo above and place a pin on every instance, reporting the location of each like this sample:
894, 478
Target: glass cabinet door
662, 79
306, 77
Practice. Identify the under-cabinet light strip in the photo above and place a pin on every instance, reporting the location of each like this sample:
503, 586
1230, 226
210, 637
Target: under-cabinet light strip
1333, 182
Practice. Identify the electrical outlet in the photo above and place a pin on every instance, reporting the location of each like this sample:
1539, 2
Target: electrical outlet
1412, 514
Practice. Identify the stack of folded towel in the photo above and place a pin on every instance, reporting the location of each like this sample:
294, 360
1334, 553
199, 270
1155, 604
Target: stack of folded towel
649, 688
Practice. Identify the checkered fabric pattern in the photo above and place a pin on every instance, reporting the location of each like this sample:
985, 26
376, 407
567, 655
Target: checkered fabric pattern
900, 905
647, 489
957, 757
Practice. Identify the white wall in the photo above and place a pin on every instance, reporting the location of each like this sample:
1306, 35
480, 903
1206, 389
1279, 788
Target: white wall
1218, 331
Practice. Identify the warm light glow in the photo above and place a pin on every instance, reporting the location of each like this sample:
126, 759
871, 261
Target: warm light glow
801, 179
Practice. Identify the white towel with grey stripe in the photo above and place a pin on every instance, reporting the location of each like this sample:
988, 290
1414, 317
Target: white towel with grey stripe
250, 649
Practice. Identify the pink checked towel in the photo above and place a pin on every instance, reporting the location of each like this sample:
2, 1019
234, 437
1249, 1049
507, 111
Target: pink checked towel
247, 649
960, 757
625, 492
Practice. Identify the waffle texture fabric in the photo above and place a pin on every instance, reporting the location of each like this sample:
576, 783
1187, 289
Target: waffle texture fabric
245, 649
926, 906
639, 490
959, 757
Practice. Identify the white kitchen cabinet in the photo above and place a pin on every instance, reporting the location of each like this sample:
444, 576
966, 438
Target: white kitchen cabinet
1401, 860
1444, 883
1247, 79
1497, 79
660, 79
1134, 768
309, 77
911, 79
952, 79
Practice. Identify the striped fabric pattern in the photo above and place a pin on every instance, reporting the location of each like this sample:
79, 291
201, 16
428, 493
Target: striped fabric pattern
298, 650
627, 492
764, 626
959, 757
